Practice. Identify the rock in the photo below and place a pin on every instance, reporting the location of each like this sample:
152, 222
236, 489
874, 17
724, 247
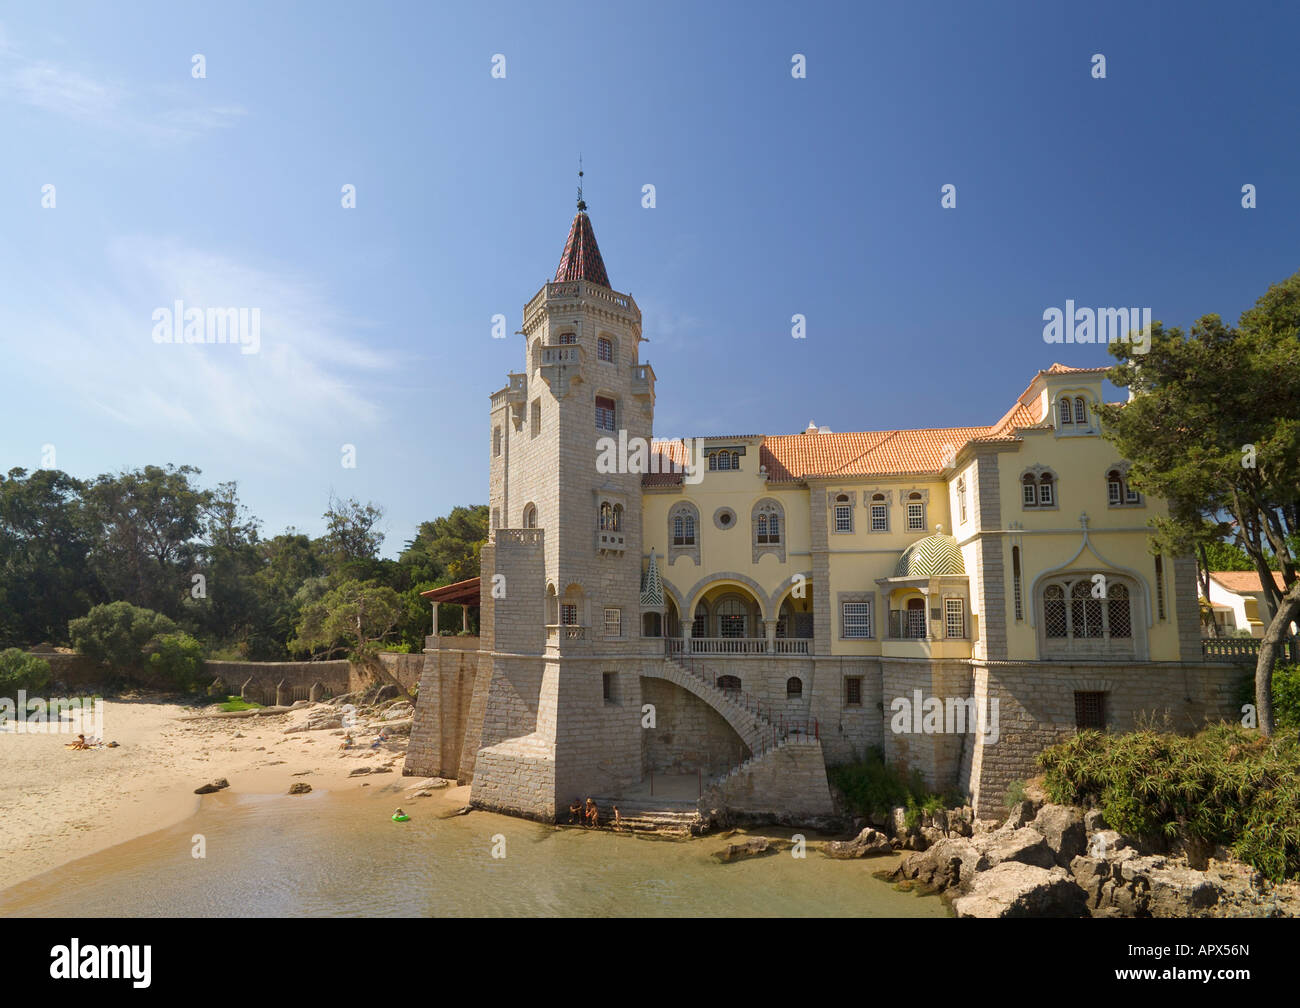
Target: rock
1062, 828
1024, 846
753, 847
1105, 843
868, 843
382, 769
931, 835
1090, 874
1093, 821
299, 787
1177, 891
401, 710
1013, 889
952, 863
215, 785
1022, 814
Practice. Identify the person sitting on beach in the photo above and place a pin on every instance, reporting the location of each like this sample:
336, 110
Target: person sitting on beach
575, 813
79, 744
618, 820
347, 741
593, 814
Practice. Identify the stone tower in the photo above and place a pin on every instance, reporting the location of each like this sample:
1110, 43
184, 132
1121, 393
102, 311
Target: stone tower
562, 570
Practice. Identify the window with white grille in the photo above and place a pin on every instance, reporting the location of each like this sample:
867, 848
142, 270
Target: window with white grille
843, 518
613, 622
954, 617
857, 620
605, 409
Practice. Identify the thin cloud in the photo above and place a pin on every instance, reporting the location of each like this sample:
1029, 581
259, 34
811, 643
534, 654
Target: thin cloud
80, 94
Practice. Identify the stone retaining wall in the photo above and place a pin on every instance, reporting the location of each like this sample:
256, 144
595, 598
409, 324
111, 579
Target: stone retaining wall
789, 780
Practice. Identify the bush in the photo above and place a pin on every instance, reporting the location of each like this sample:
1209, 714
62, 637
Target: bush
116, 634
871, 789
1286, 695
178, 658
1015, 793
1227, 785
21, 671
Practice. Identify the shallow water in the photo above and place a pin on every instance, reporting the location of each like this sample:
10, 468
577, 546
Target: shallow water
322, 855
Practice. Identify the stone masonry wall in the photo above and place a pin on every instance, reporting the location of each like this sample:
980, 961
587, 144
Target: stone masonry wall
789, 780
442, 712
688, 735
1036, 710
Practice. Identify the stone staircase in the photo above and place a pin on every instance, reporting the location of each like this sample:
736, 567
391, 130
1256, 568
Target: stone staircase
660, 817
739, 709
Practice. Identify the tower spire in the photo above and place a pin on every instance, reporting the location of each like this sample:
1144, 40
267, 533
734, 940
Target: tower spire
582, 203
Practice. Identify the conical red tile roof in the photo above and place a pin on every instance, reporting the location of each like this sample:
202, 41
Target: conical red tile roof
581, 259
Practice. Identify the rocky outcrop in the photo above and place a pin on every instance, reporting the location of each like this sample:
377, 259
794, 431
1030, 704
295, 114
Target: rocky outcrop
217, 785
1046, 862
1014, 889
753, 847
868, 843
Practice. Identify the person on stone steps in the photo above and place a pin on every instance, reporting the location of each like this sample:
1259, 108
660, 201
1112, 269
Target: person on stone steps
593, 814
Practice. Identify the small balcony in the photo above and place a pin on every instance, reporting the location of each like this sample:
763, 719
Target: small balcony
612, 542
517, 390
643, 381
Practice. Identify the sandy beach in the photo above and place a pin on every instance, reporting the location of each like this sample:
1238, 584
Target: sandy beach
58, 804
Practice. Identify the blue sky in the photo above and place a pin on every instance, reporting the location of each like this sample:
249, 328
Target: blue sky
775, 196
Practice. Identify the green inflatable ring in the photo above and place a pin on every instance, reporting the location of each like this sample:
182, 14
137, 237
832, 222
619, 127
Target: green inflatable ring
401, 818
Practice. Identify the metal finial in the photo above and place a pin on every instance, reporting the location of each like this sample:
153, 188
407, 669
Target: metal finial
582, 204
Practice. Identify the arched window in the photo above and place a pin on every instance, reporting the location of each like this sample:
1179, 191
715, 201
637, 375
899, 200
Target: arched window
767, 523
530, 516
729, 682
605, 349
1066, 413
724, 459
606, 517
682, 524
700, 625
1054, 611
1114, 487
735, 460
915, 512
1085, 610
732, 617
1038, 487
1098, 610
843, 514
879, 513
961, 499
1118, 611
618, 518
567, 339
1080, 411
794, 687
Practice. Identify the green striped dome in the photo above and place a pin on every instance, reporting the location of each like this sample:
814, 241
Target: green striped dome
934, 556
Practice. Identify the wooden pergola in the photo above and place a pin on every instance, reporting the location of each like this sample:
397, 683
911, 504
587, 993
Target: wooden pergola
462, 593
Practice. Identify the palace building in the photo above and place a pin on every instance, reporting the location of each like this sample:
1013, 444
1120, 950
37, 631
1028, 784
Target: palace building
770, 612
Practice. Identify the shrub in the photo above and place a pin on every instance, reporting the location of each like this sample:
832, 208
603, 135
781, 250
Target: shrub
1015, 793
116, 634
1226, 785
21, 671
178, 658
871, 788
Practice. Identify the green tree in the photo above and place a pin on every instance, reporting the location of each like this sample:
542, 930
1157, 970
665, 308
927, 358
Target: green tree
1213, 426
22, 671
147, 523
116, 634
356, 617
176, 657
350, 532
230, 608
446, 549
44, 543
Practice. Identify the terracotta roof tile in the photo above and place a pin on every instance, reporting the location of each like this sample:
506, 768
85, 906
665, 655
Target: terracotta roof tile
1244, 582
581, 259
